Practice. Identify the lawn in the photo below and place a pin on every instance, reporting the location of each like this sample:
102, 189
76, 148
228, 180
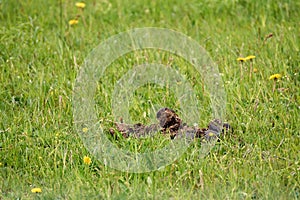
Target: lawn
43, 52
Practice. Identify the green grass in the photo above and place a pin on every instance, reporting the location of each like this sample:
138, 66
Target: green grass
40, 56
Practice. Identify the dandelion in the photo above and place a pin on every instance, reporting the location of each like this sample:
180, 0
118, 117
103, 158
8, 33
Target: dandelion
36, 190
241, 59
275, 77
87, 160
73, 22
255, 70
80, 5
249, 58
85, 130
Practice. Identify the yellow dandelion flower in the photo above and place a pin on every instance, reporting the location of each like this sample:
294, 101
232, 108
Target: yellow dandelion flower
87, 160
275, 76
250, 57
255, 70
36, 190
73, 22
241, 59
85, 129
80, 5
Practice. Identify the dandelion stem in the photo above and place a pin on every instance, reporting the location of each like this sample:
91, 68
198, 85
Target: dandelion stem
250, 70
241, 68
83, 18
274, 86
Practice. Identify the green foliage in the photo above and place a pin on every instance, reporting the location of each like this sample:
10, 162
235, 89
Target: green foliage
40, 55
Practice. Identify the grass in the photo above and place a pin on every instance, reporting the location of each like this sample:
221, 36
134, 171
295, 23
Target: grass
41, 56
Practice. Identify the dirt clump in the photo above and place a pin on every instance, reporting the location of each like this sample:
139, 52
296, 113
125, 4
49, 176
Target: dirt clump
169, 123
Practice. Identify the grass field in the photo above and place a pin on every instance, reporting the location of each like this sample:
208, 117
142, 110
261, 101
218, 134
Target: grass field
40, 57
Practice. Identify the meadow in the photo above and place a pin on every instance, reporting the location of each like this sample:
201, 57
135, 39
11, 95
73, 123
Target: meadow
42, 52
